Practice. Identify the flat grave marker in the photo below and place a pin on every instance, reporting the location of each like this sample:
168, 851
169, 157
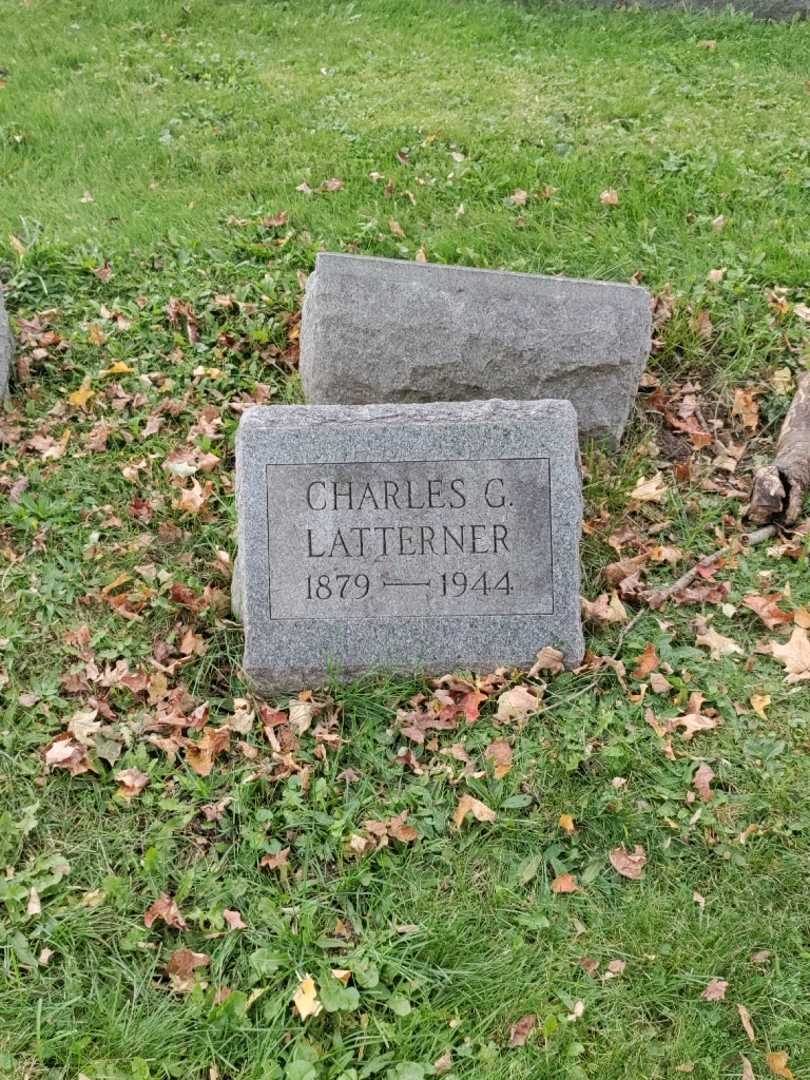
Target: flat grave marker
406, 538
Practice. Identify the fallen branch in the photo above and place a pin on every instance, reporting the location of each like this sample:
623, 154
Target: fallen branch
779, 488
658, 597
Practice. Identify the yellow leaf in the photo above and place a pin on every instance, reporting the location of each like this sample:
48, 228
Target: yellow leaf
759, 703
777, 1063
567, 824
305, 998
118, 368
80, 397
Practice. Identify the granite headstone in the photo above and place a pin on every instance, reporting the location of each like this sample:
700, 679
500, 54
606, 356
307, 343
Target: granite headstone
423, 538
6, 348
383, 330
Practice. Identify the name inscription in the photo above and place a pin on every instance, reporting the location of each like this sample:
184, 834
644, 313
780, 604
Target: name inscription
409, 538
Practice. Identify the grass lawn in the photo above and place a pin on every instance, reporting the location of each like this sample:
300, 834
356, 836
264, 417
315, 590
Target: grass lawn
165, 172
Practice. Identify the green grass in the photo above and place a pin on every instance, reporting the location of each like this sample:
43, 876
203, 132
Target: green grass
183, 121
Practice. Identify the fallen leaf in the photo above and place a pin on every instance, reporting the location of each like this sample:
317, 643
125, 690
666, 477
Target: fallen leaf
767, 609
132, 782
604, 610
704, 774
629, 866
548, 659
305, 998
745, 1020
34, 906
444, 1063
715, 991
468, 805
516, 704
777, 1063
564, 883
566, 823
802, 311
275, 862
718, 644
499, 753
652, 490
609, 197
520, 1031
577, 1012
396, 228
693, 719
234, 919
165, 909
795, 655
763, 956
747, 1069
181, 967
647, 662
614, 969
745, 408
716, 276
759, 703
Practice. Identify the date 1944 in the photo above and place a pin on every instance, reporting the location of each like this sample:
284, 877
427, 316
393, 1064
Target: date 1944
357, 586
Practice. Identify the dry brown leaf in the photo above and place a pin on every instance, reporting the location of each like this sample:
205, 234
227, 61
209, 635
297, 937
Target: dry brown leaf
181, 967
614, 969
768, 609
747, 1069
777, 1063
564, 883
517, 704
604, 610
715, 991
745, 1020
629, 865
305, 998
444, 1063
234, 919
609, 197
520, 1031
704, 774
745, 408
518, 197
759, 703
548, 659
647, 662
499, 753
165, 909
652, 490
795, 655
132, 782
398, 829
718, 644
396, 228
694, 720
468, 805
277, 861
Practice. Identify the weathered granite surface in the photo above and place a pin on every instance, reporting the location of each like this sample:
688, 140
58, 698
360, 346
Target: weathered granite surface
6, 348
420, 538
378, 330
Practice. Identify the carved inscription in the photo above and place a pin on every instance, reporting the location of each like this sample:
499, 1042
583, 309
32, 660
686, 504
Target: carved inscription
409, 538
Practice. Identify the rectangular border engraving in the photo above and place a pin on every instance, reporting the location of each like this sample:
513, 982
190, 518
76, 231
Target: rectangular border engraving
427, 615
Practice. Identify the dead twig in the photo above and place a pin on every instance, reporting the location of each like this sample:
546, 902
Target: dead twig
779, 488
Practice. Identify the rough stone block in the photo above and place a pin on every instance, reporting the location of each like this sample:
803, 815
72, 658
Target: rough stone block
382, 330
418, 538
6, 348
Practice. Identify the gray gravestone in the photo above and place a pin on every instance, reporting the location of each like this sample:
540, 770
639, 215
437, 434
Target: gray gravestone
381, 330
420, 538
6, 348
